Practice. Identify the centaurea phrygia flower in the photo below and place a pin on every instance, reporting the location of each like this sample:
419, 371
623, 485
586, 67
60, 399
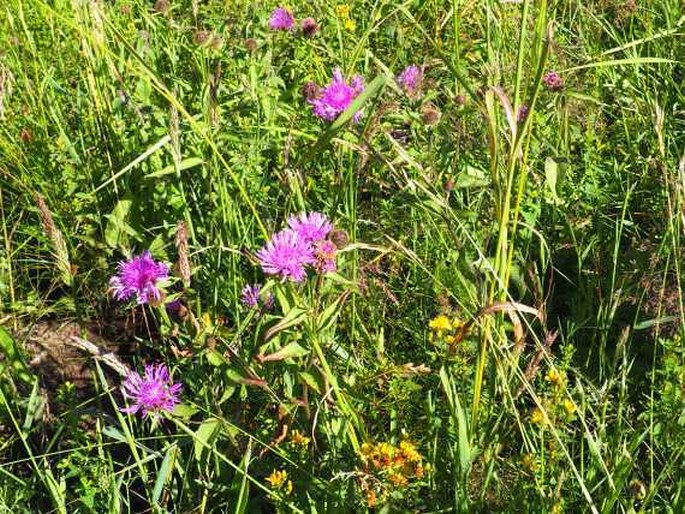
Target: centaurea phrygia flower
251, 296
139, 277
410, 79
309, 27
286, 254
310, 227
337, 96
324, 252
553, 81
152, 392
281, 19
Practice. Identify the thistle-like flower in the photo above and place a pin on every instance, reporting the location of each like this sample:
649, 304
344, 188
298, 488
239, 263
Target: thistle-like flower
151, 393
251, 297
281, 19
325, 252
410, 79
337, 96
139, 277
286, 254
553, 81
310, 227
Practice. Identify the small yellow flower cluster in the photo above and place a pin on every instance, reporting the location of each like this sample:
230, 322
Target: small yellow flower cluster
278, 479
343, 12
298, 439
557, 405
446, 330
389, 464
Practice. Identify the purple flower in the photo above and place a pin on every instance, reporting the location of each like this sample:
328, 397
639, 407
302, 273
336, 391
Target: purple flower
324, 252
139, 276
286, 254
151, 393
553, 81
522, 113
410, 79
281, 19
310, 227
251, 297
309, 26
337, 96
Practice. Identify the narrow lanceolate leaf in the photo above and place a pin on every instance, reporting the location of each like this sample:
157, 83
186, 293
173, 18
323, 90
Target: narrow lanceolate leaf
164, 473
289, 351
295, 316
206, 435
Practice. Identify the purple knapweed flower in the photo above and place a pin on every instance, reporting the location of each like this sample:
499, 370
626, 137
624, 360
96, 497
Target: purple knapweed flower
151, 393
324, 252
139, 277
281, 19
553, 81
251, 297
286, 254
337, 96
410, 79
310, 227
309, 27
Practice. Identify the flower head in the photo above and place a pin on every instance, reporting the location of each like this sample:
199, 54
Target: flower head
151, 393
337, 96
139, 276
324, 252
281, 19
310, 227
553, 81
309, 26
410, 79
251, 297
286, 254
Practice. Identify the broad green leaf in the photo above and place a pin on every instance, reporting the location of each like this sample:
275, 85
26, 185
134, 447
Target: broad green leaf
117, 227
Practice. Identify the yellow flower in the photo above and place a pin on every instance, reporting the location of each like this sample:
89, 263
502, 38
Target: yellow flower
278, 478
342, 10
398, 479
569, 406
537, 416
557, 509
298, 439
528, 462
556, 378
440, 323
409, 451
350, 25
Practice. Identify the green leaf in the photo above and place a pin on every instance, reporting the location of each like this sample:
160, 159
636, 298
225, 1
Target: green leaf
163, 473
185, 164
117, 228
294, 317
206, 435
289, 351
35, 407
13, 358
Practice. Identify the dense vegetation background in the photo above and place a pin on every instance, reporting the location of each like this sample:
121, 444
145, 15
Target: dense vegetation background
504, 329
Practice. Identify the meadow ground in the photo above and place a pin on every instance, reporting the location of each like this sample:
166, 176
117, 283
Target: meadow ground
385, 256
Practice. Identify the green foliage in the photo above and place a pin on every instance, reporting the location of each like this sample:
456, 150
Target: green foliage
504, 331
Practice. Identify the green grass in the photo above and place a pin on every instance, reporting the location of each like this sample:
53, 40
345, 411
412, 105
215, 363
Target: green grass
554, 241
